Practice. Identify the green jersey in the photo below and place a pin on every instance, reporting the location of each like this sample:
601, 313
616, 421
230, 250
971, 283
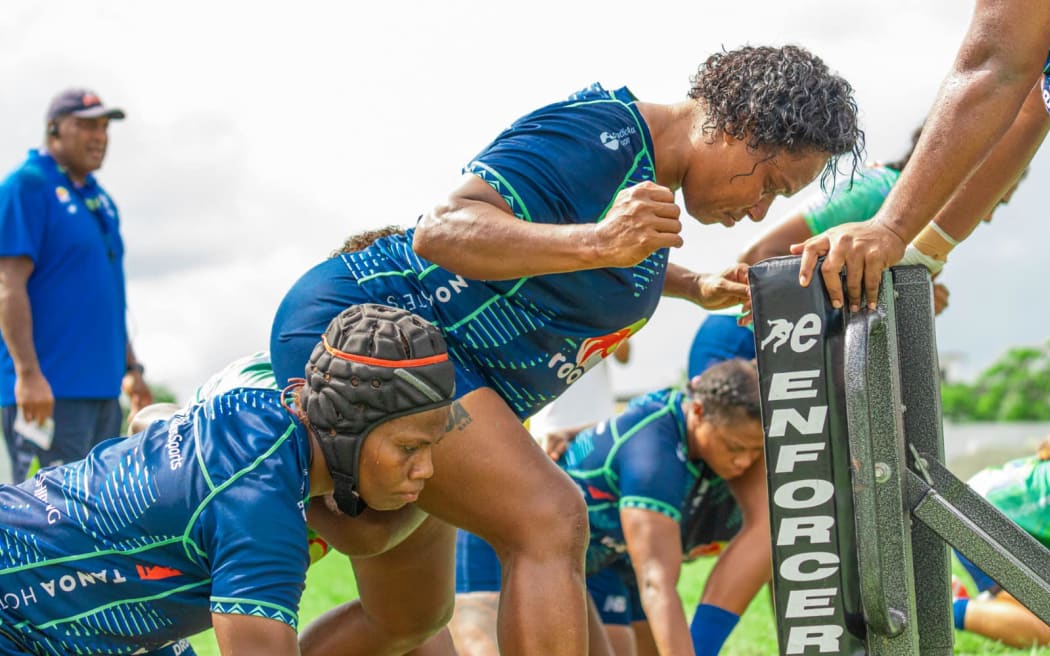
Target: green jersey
1020, 489
851, 203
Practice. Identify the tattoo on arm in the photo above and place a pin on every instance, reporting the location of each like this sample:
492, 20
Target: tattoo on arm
458, 417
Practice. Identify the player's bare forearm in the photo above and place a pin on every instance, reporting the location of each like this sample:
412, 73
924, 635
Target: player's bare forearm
475, 234
247, 635
16, 318
654, 545
981, 193
480, 241
708, 290
744, 567
1002, 53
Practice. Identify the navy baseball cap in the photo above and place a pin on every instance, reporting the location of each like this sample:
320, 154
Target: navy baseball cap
82, 103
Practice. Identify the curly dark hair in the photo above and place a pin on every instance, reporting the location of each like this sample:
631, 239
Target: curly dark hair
782, 99
728, 390
363, 240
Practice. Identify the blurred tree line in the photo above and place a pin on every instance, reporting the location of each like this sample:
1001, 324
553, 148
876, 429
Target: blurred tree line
1015, 388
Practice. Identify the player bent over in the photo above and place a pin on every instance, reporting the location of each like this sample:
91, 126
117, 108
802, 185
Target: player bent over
199, 520
669, 452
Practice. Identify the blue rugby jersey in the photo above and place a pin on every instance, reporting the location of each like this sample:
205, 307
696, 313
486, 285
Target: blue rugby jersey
527, 338
135, 546
638, 459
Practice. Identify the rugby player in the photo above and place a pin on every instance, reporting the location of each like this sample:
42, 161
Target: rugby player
669, 454
200, 519
552, 250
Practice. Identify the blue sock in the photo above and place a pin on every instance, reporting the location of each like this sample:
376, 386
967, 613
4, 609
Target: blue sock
710, 627
959, 611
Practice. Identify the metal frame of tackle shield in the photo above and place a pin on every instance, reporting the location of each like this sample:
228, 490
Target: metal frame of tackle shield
862, 510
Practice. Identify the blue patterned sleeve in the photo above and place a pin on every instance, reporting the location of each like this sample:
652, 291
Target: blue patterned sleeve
558, 164
254, 534
654, 473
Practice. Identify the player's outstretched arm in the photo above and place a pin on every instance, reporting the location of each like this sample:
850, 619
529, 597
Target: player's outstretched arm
978, 197
247, 635
654, 544
741, 569
712, 291
1002, 54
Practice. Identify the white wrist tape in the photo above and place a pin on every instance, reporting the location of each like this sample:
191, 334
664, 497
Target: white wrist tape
913, 255
944, 235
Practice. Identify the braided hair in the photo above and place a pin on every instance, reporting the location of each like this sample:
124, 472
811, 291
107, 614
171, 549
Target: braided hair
728, 390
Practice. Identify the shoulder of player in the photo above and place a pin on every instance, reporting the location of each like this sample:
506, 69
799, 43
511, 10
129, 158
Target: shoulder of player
248, 413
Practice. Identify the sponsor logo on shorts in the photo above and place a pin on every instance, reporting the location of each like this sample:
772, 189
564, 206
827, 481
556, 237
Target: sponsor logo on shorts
621, 137
590, 352
615, 604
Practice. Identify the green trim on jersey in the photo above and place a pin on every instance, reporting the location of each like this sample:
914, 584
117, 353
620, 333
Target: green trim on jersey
606, 472
644, 152
237, 606
652, 505
495, 180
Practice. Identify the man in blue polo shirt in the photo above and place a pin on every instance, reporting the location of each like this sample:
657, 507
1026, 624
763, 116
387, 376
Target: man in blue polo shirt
65, 354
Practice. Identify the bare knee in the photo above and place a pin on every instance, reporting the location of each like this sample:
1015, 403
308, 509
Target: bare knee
555, 526
398, 632
410, 632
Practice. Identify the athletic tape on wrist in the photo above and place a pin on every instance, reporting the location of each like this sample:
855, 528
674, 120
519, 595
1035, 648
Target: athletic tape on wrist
934, 242
913, 255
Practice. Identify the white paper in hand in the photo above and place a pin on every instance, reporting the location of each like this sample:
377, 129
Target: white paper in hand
40, 435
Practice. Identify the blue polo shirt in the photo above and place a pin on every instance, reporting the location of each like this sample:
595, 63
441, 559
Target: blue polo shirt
76, 289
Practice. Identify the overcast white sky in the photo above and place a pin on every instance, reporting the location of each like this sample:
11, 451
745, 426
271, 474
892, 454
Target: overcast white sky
260, 134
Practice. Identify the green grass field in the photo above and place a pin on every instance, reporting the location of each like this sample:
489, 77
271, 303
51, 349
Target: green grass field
331, 582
